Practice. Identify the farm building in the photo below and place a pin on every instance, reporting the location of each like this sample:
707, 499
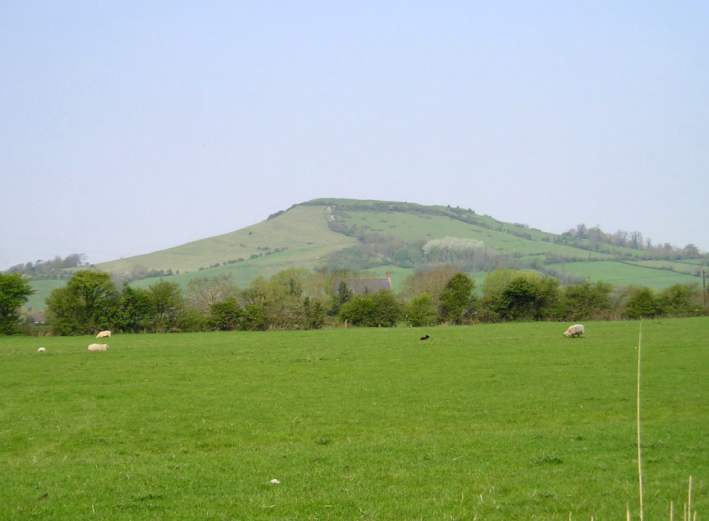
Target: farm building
364, 286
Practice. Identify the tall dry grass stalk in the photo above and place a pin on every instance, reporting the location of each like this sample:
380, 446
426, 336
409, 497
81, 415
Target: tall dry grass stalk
687, 514
637, 415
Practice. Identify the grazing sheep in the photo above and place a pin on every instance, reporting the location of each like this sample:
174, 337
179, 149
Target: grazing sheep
41, 349
104, 334
96, 348
574, 331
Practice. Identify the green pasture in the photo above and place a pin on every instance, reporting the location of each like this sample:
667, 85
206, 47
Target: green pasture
624, 274
678, 266
421, 227
42, 288
491, 422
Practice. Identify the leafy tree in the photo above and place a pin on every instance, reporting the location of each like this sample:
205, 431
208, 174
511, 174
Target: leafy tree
313, 314
341, 297
283, 300
253, 318
432, 281
60, 313
585, 301
680, 300
135, 310
202, 292
642, 303
166, 305
457, 299
527, 298
14, 292
225, 315
88, 303
372, 310
421, 311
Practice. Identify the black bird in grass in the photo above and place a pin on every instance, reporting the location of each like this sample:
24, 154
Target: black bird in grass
425, 337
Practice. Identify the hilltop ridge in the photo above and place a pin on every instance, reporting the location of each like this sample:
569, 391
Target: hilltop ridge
401, 237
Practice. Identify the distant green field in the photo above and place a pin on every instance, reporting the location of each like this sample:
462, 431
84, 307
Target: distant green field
622, 274
680, 267
243, 273
419, 227
42, 288
494, 422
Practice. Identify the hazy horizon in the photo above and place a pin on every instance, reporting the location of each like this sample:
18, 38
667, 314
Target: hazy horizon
129, 128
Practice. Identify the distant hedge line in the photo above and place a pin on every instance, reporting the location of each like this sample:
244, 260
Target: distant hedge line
299, 299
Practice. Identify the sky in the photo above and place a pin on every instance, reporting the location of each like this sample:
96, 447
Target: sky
127, 127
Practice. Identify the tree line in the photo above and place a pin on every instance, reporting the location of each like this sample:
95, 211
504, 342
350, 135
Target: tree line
300, 299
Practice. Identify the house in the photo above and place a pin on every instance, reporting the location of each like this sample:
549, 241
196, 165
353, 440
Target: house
364, 286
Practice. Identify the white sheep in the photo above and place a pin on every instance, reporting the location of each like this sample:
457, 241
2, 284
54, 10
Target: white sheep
41, 349
104, 334
97, 348
574, 331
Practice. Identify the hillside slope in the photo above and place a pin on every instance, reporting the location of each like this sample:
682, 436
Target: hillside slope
381, 236
300, 235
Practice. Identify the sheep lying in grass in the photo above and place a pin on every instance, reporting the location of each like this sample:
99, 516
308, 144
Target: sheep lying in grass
574, 331
41, 349
97, 348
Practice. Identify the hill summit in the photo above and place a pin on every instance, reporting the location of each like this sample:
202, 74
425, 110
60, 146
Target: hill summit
399, 237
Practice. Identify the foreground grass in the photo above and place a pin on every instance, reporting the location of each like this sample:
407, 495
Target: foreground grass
486, 422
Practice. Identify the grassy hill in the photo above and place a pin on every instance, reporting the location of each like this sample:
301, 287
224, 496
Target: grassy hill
300, 236
380, 236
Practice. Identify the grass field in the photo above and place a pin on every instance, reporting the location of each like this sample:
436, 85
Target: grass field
419, 227
493, 422
42, 288
624, 274
680, 267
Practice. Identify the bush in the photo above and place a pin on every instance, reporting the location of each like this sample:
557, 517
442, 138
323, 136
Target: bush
224, 316
457, 300
14, 291
253, 318
421, 311
527, 298
378, 310
641, 304
586, 301
313, 314
680, 300
87, 304
135, 310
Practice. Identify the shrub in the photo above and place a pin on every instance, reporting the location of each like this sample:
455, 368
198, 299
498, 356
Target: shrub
88, 303
225, 315
253, 318
641, 303
457, 300
527, 298
378, 310
680, 300
14, 291
585, 301
421, 311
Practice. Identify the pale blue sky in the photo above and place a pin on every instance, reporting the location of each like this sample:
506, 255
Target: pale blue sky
126, 127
